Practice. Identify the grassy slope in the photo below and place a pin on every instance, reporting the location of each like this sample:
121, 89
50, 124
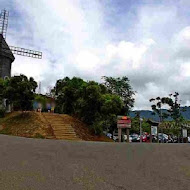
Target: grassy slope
23, 124
32, 124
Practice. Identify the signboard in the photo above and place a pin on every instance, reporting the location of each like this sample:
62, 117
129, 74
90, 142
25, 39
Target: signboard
184, 132
123, 122
154, 130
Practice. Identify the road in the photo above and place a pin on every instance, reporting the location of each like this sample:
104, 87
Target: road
63, 165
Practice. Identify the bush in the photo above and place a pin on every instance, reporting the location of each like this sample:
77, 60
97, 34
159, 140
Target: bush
2, 112
97, 127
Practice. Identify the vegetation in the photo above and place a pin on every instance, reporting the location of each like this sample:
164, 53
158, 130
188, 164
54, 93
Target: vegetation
122, 88
174, 111
19, 92
95, 104
135, 124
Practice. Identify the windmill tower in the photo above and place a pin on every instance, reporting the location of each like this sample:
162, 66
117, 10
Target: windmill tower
6, 51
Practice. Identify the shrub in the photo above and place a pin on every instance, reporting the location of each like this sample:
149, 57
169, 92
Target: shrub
97, 127
2, 112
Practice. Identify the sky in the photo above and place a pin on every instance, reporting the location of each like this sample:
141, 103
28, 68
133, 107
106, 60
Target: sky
146, 40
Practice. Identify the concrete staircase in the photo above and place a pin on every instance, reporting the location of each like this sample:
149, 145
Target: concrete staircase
61, 130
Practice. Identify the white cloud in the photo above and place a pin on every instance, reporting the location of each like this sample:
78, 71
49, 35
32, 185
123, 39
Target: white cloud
86, 61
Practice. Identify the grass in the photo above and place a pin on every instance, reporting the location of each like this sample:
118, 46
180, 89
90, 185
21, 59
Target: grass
26, 124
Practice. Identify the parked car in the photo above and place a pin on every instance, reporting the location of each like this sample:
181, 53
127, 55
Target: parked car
170, 139
125, 138
145, 137
154, 139
175, 139
163, 137
135, 138
115, 138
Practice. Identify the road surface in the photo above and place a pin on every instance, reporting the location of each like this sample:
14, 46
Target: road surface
37, 164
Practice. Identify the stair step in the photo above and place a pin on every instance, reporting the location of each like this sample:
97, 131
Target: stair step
67, 138
62, 124
65, 135
61, 129
64, 131
57, 125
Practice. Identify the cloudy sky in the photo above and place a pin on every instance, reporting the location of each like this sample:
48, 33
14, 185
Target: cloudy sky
146, 40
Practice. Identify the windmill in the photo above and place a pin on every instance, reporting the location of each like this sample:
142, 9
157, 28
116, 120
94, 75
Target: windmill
6, 51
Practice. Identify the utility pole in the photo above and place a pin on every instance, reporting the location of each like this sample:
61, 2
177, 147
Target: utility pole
161, 121
141, 119
39, 90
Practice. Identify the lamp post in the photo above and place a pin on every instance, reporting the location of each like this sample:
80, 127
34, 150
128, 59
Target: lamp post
141, 120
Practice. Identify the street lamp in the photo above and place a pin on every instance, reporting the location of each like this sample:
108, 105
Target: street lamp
141, 120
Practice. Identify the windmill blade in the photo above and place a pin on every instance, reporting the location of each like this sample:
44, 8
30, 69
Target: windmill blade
26, 52
4, 23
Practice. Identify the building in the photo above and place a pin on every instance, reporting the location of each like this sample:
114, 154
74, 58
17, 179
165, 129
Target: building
6, 58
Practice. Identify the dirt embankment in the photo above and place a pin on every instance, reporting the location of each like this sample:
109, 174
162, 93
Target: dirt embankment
33, 124
24, 124
82, 130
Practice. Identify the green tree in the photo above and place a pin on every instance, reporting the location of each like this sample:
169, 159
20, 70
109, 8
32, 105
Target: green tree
110, 108
157, 107
89, 101
122, 88
20, 92
67, 92
175, 111
135, 124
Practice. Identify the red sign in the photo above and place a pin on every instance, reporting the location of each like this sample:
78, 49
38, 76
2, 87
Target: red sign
123, 122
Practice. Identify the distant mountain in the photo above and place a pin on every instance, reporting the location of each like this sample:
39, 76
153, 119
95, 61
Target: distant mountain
147, 114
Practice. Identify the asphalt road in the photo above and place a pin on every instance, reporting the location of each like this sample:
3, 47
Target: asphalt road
63, 165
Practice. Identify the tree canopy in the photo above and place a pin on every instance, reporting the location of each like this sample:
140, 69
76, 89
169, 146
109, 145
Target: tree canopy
94, 103
19, 91
122, 88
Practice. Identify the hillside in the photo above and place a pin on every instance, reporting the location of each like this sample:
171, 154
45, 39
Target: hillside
36, 125
147, 114
27, 124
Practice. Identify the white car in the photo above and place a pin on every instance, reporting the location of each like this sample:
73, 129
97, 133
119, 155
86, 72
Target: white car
125, 138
